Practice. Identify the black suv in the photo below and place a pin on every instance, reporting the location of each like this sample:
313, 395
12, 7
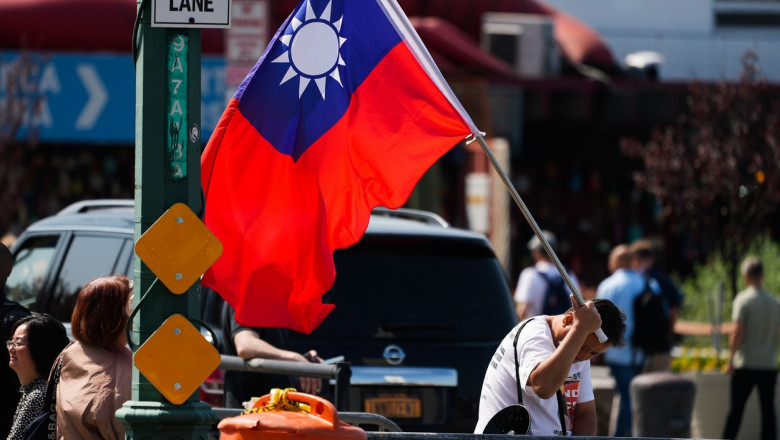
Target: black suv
420, 310
420, 306
56, 256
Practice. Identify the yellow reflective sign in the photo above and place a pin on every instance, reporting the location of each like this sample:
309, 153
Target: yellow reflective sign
176, 359
178, 248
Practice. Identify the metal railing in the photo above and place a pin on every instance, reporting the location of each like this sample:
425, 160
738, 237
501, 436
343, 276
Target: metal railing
340, 372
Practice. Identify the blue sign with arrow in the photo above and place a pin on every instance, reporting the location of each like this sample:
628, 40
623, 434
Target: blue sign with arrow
85, 98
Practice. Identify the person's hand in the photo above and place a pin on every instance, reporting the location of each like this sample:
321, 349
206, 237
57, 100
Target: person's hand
730, 368
311, 385
586, 317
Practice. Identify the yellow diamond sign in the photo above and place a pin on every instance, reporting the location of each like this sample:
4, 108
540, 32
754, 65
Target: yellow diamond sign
176, 359
178, 248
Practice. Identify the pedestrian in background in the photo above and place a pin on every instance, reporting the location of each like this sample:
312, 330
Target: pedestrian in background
644, 262
37, 341
540, 288
10, 312
753, 351
626, 362
95, 379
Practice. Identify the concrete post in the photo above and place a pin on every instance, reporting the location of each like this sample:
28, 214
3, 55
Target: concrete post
662, 405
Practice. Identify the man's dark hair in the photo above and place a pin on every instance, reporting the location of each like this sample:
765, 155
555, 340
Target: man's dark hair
46, 337
752, 268
613, 321
643, 249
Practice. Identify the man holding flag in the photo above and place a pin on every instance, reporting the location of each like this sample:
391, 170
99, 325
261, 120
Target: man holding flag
344, 112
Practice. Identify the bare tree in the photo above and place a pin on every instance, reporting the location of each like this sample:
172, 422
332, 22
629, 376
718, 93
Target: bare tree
19, 99
715, 173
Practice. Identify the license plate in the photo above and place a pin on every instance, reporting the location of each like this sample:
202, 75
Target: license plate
401, 407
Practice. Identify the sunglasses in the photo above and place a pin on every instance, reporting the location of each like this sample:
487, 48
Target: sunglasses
14, 344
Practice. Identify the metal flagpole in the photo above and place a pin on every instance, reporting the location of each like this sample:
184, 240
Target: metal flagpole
398, 18
530, 219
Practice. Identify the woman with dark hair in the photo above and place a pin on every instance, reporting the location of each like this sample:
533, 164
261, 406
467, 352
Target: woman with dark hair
36, 342
96, 369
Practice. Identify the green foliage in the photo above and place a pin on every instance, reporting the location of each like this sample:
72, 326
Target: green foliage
708, 277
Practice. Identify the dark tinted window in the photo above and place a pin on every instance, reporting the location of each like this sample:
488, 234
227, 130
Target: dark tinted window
88, 257
32, 264
417, 290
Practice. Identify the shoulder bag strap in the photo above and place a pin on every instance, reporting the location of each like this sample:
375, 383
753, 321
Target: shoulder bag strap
517, 363
561, 402
561, 406
51, 388
50, 400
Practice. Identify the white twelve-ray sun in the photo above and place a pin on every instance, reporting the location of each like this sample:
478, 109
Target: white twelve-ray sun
313, 50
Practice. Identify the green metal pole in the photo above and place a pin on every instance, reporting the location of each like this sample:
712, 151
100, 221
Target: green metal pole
167, 171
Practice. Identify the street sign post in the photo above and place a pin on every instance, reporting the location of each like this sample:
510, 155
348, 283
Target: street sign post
167, 173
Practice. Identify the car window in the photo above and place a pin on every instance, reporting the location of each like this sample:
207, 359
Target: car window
422, 291
88, 257
31, 266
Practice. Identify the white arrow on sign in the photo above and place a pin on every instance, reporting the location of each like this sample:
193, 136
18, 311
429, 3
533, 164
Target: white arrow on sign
97, 96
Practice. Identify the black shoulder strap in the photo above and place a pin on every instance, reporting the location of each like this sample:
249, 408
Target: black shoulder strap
517, 363
51, 389
50, 400
559, 395
561, 406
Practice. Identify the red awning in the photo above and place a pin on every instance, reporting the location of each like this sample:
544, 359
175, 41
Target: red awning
77, 25
450, 32
456, 52
578, 42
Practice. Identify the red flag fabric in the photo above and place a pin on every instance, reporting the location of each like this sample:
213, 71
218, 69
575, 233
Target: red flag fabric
337, 117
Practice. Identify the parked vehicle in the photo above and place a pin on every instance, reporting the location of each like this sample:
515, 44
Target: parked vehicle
57, 256
420, 306
420, 310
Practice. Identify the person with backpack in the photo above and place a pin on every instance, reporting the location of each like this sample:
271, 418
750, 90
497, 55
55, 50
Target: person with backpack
623, 287
540, 288
660, 312
10, 312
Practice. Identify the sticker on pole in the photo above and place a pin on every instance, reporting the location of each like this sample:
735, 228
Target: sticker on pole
178, 248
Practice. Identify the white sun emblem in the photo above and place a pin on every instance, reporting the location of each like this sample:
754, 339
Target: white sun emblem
313, 50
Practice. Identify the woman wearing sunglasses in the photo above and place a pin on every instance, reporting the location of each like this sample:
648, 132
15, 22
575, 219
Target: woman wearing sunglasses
36, 342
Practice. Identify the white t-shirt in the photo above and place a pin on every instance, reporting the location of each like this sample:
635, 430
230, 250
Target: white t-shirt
499, 388
532, 287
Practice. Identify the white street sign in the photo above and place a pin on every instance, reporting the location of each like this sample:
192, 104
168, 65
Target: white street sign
191, 13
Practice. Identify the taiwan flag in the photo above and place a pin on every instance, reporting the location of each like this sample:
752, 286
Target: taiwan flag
345, 111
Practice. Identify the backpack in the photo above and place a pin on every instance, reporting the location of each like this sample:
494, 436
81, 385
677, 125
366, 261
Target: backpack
652, 333
556, 297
